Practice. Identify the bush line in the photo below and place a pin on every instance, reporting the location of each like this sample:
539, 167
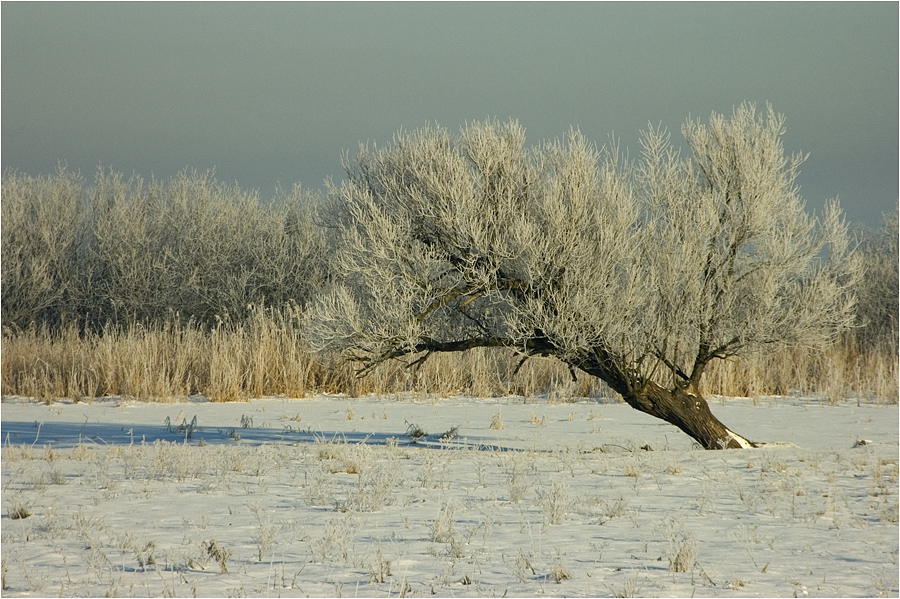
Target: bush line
163, 290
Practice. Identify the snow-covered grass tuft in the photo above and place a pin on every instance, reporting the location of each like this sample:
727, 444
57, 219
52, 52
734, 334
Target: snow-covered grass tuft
555, 502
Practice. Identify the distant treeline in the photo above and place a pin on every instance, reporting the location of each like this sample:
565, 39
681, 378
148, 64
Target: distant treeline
124, 250
191, 258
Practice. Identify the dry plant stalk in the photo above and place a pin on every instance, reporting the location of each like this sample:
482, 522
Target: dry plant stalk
496, 422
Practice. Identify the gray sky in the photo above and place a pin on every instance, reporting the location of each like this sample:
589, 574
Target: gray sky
270, 93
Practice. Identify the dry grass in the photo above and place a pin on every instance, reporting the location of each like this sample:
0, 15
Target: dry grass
267, 355
836, 373
163, 363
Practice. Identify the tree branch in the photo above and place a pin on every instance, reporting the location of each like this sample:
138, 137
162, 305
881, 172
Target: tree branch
673, 367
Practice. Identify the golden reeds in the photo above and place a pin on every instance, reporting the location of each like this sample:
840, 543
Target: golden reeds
266, 355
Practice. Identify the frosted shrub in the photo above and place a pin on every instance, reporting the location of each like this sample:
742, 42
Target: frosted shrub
375, 487
352, 458
380, 569
613, 508
319, 486
19, 511
559, 573
434, 469
218, 554
878, 290
337, 539
265, 533
375, 483
42, 229
496, 422
125, 250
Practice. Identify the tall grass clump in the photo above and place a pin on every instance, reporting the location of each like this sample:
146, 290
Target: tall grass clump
263, 356
266, 354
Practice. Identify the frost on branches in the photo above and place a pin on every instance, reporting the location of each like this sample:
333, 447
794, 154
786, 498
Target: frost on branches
637, 272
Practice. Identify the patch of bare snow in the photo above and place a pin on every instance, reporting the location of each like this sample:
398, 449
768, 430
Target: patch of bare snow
331, 496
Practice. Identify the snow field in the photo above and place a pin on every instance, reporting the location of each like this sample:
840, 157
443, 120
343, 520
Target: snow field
331, 497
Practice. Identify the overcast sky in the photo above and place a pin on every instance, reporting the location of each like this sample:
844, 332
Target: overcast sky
274, 93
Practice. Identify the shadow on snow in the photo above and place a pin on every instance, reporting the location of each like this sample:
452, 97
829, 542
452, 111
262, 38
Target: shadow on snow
67, 435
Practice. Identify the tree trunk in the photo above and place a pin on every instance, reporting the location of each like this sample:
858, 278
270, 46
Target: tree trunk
681, 407
689, 412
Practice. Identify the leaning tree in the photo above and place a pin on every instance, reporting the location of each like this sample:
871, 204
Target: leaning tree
637, 272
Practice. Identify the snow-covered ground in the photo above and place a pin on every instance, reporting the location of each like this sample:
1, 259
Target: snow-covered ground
330, 496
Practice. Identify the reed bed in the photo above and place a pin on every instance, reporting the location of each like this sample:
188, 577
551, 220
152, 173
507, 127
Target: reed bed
266, 355
256, 359
836, 373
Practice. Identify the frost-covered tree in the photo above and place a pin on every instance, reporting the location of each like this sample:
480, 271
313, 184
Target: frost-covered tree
879, 304
640, 273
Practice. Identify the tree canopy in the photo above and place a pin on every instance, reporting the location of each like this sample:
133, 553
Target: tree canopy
637, 271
